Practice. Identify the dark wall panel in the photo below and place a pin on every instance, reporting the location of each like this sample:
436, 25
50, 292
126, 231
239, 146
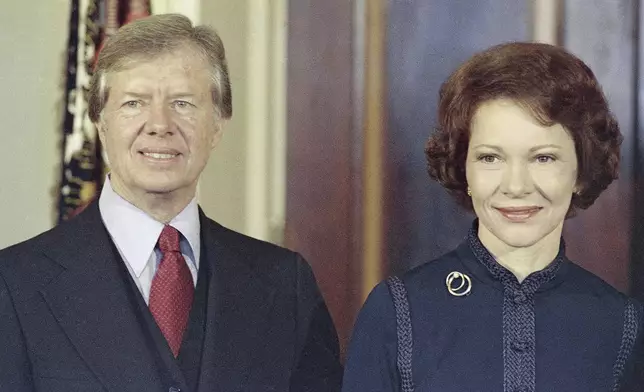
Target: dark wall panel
427, 40
602, 33
321, 185
637, 141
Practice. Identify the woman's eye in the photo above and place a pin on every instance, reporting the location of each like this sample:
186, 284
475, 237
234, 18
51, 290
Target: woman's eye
488, 158
545, 158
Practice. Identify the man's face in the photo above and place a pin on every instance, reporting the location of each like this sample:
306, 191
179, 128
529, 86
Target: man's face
159, 125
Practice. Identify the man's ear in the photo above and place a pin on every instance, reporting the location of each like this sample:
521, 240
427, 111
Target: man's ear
100, 127
219, 132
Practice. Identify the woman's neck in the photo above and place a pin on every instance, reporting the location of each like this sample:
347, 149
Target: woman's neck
522, 261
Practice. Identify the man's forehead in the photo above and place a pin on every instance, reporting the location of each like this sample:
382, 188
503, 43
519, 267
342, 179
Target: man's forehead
171, 68
186, 59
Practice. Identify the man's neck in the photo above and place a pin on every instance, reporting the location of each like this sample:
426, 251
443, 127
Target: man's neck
523, 261
163, 207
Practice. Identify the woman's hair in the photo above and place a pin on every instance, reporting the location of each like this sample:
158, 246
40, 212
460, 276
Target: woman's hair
554, 86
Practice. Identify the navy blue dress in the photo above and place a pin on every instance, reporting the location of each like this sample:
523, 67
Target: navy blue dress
561, 329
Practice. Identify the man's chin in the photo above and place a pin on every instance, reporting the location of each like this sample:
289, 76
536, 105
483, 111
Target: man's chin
162, 187
156, 184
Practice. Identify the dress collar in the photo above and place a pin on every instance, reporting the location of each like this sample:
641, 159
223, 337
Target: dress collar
482, 264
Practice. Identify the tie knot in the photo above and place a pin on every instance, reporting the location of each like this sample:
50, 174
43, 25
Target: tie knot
169, 239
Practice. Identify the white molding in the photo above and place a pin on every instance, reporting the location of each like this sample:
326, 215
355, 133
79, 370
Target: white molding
278, 99
244, 184
266, 132
189, 8
545, 21
257, 75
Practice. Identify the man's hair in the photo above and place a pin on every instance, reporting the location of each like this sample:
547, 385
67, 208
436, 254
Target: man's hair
555, 86
154, 36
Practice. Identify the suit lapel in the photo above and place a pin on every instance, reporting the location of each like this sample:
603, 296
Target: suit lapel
90, 301
239, 301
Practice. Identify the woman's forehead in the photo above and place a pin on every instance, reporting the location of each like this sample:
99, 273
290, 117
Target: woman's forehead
507, 123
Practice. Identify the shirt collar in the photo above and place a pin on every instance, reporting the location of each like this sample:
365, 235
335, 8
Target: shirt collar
135, 232
187, 222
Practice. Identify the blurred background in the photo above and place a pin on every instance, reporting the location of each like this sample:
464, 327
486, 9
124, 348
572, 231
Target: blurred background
333, 102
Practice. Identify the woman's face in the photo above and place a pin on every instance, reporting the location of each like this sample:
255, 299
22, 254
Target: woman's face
521, 175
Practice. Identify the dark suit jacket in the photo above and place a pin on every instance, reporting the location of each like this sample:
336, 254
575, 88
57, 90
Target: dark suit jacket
66, 323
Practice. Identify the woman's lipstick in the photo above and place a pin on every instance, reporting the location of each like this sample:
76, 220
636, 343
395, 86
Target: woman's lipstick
518, 214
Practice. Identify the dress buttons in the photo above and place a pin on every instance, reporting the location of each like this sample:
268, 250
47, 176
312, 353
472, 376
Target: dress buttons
519, 345
174, 389
519, 297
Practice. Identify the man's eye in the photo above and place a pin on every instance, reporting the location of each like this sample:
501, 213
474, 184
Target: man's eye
182, 104
132, 104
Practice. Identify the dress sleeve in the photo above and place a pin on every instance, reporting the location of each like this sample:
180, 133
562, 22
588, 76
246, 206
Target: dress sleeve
633, 380
371, 358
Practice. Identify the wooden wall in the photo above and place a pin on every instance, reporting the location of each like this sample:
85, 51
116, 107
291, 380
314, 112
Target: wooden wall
599, 238
320, 210
363, 80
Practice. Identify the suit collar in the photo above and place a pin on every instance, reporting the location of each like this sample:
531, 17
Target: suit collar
80, 243
240, 299
91, 303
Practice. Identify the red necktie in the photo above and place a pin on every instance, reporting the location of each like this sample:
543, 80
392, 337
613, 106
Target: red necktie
172, 290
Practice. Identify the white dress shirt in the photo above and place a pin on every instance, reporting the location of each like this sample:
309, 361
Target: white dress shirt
136, 233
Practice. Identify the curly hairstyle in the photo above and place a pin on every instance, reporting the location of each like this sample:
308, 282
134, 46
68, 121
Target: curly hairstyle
554, 86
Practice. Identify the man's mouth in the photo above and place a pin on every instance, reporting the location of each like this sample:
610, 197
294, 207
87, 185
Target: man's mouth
159, 155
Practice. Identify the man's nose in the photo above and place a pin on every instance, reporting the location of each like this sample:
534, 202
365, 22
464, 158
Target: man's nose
158, 120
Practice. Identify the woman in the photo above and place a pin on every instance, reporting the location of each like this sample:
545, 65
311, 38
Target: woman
525, 138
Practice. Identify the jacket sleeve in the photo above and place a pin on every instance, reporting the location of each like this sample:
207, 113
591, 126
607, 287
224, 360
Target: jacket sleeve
318, 366
15, 369
371, 359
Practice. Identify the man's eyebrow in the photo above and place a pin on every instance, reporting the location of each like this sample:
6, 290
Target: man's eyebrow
136, 94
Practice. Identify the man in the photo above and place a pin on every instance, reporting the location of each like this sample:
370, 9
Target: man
141, 291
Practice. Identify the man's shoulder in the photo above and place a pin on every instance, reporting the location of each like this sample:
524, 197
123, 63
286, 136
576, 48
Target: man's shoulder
241, 241
247, 246
27, 261
64, 238
29, 246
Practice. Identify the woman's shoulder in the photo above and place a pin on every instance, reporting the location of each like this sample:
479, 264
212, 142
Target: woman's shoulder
587, 293
431, 274
425, 275
426, 280
579, 280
